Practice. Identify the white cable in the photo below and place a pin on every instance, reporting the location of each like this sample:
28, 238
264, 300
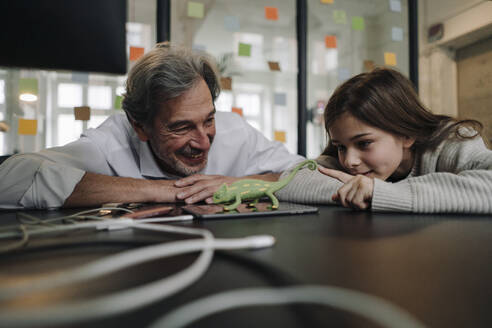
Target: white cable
371, 307
131, 299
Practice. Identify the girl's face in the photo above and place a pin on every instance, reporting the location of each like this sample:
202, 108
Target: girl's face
367, 150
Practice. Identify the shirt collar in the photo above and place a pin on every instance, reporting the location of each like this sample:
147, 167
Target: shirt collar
149, 168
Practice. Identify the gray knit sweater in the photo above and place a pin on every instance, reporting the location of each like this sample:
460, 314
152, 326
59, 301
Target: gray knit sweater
456, 177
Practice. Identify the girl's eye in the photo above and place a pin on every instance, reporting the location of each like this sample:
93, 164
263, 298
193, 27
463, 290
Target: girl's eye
364, 144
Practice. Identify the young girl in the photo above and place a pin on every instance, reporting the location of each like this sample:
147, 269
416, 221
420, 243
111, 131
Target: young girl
386, 152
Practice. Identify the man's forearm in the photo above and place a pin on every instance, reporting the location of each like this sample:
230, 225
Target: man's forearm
266, 176
96, 189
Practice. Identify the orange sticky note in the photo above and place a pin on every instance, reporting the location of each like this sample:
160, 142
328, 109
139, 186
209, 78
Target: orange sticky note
27, 127
271, 13
136, 53
274, 66
326, 1
279, 136
237, 110
390, 58
82, 113
331, 41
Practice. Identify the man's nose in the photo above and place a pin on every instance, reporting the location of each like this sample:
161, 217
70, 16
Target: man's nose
200, 139
352, 158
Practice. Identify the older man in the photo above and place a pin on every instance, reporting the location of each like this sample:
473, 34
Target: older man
170, 146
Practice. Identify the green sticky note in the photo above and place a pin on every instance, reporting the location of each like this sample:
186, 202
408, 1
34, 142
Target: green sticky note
117, 102
28, 86
196, 9
357, 23
244, 49
339, 16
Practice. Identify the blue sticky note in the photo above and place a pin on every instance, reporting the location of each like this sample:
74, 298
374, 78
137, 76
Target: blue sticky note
395, 5
231, 23
80, 77
343, 74
396, 33
280, 99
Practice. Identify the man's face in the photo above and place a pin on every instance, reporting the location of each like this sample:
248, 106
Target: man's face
183, 131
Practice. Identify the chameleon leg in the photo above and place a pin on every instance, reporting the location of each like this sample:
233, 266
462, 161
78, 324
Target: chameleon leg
254, 202
234, 205
274, 199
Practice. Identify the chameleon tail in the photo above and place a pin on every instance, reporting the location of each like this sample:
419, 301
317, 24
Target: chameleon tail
309, 163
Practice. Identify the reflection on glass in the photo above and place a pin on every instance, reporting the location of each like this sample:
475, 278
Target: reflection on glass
99, 97
69, 95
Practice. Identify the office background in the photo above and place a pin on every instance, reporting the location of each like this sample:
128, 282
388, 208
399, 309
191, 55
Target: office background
281, 60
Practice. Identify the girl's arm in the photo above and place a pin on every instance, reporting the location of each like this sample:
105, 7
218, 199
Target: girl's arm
456, 178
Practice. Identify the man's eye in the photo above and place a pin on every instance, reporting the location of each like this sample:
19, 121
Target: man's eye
180, 130
340, 148
210, 121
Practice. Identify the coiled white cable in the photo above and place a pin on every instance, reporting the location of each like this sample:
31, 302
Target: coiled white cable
127, 300
368, 306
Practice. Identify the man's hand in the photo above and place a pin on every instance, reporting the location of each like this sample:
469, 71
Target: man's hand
200, 187
356, 192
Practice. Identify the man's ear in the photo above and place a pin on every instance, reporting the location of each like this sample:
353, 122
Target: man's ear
408, 142
140, 130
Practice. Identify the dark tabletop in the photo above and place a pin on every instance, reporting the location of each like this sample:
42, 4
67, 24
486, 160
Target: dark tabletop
437, 267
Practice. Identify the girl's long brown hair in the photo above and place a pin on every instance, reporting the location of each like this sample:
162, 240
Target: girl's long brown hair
387, 100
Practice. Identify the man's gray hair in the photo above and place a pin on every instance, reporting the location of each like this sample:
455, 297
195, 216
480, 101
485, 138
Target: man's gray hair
165, 73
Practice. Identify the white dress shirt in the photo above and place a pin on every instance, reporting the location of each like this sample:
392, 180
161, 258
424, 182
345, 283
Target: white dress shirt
46, 178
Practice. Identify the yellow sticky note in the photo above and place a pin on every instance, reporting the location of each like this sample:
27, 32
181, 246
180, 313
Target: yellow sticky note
390, 58
237, 110
27, 127
326, 1
136, 53
271, 13
196, 9
330, 41
82, 113
279, 136
358, 23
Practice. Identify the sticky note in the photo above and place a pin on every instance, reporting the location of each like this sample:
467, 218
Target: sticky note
280, 99
343, 74
279, 136
390, 58
357, 23
271, 13
330, 41
368, 65
237, 110
27, 127
326, 1
196, 9
396, 33
244, 49
199, 48
28, 86
274, 66
231, 23
339, 16
226, 83
136, 53
118, 101
82, 113
395, 5
80, 77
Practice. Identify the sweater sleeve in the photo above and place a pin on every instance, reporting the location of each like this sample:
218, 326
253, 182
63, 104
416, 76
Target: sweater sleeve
458, 180
310, 187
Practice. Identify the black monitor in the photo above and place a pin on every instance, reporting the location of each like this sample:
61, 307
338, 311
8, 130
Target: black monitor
79, 35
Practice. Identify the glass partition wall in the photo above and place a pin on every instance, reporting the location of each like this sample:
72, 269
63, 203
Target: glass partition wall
346, 38
256, 45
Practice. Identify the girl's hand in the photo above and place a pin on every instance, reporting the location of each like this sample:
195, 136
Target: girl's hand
355, 193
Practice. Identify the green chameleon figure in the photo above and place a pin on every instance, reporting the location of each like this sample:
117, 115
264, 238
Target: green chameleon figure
254, 189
